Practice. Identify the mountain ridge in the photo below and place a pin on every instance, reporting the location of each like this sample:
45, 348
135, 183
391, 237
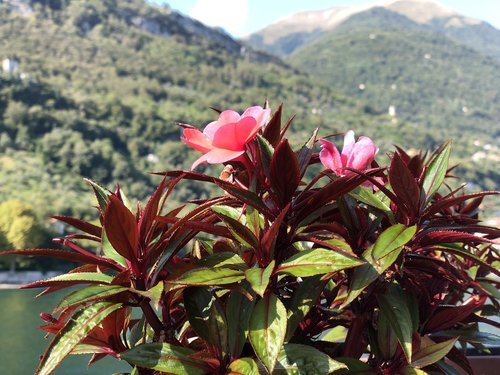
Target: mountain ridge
96, 89
302, 27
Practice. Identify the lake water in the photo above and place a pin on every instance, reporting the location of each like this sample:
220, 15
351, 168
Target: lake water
22, 343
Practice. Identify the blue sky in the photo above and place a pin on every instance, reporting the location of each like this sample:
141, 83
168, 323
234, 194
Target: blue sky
242, 17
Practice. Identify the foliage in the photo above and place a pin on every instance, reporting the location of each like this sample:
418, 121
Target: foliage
293, 269
101, 84
438, 85
19, 228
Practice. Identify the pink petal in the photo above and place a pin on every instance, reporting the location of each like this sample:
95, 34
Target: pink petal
211, 128
330, 157
258, 113
226, 117
362, 154
234, 136
196, 139
349, 142
217, 156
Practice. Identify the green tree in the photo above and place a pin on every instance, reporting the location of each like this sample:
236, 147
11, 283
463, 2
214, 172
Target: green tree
19, 228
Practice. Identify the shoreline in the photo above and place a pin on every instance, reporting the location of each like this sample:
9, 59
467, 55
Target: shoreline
10, 286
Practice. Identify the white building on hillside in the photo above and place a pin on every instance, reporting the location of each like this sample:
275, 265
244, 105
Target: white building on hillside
10, 66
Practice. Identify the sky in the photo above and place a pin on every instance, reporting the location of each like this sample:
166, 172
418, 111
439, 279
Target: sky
242, 17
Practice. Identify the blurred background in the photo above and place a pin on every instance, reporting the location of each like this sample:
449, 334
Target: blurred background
93, 89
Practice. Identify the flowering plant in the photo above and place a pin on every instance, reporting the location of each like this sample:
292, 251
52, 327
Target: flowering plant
359, 268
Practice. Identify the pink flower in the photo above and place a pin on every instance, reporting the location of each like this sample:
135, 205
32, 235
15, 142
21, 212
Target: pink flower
356, 155
225, 139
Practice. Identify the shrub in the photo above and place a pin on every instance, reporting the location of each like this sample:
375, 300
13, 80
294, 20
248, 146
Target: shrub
376, 270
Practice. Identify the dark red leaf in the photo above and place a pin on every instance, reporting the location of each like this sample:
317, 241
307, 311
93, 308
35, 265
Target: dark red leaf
80, 224
404, 186
216, 230
319, 198
447, 236
457, 356
447, 317
284, 172
150, 213
287, 125
446, 203
269, 239
244, 195
121, 228
65, 255
273, 128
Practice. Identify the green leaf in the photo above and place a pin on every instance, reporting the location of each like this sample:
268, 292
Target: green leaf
100, 193
88, 294
317, 262
414, 371
302, 300
233, 213
436, 172
166, 358
267, 151
206, 317
239, 231
239, 308
472, 335
243, 366
255, 221
304, 359
354, 366
259, 278
336, 334
84, 277
366, 196
75, 330
387, 248
392, 239
225, 259
206, 276
305, 153
110, 252
394, 306
432, 353
361, 278
267, 330
386, 338
88, 349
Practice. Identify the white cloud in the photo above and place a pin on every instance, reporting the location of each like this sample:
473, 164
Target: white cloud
231, 15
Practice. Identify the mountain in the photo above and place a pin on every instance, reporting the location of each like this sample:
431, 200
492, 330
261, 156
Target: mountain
289, 33
94, 89
433, 71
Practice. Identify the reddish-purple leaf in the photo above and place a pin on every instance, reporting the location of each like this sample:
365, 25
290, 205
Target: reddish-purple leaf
65, 255
150, 212
404, 186
284, 172
448, 236
209, 228
272, 131
121, 228
447, 317
81, 225
446, 203
319, 198
269, 239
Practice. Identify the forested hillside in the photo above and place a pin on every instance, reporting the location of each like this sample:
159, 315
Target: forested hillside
100, 85
427, 67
